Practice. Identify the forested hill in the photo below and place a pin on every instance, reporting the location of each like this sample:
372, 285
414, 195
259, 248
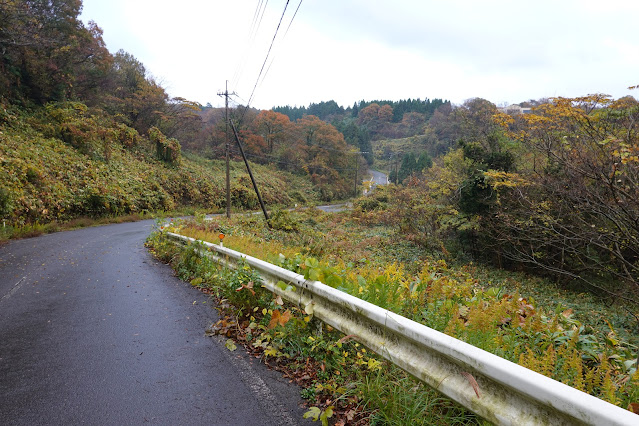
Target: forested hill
330, 110
62, 91
84, 132
60, 85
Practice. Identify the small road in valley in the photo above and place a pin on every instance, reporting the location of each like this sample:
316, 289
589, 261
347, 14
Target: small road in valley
94, 330
378, 178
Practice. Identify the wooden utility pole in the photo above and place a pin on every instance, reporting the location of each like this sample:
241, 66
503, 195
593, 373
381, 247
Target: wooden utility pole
226, 95
390, 168
356, 172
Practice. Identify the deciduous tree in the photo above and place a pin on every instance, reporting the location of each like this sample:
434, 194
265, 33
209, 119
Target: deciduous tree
273, 127
574, 208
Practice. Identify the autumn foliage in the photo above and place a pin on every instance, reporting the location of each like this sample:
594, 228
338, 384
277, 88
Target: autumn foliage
555, 192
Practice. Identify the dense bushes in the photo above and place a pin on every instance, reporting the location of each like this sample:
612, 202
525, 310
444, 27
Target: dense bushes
45, 176
166, 149
554, 192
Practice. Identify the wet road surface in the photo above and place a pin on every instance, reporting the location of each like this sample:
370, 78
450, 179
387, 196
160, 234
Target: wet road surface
93, 330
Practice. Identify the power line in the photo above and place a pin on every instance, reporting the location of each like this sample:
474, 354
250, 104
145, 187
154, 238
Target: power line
268, 53
255, 15
287, 28
261, 17
258, 16
265, 60
294, 15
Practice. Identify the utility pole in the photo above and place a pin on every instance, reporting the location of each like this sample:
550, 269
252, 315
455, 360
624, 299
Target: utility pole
226, 95
356, 172
357, 154
390, 167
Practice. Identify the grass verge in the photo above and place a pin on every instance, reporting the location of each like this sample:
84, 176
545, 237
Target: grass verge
489, 309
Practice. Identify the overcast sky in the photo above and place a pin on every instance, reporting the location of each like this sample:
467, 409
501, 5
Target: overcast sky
505, 51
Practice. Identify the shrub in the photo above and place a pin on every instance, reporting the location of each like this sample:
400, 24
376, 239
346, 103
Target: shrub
128, 136
5, 202
243, 197
167, 149
368, 204
283, 221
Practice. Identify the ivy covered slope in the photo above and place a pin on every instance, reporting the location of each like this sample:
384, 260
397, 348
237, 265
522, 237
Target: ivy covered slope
67, 160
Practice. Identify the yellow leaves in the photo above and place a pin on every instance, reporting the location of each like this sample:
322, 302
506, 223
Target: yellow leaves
627, 154
270, 351
315, 413
499, 179
534, 119
230, 345
502, 119
373, 364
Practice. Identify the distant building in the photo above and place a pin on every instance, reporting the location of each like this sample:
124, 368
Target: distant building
515, 109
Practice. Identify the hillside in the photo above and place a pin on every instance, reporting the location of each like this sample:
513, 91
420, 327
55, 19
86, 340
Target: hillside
44, 178
88, 132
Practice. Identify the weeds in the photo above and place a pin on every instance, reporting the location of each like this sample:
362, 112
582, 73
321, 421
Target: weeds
391, 391
457, 300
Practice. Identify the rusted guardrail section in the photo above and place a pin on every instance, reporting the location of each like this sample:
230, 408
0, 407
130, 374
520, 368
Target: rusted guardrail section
504, 393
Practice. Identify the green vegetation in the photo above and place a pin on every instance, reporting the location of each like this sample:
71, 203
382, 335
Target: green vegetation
364, 252
341, 380
88, 134
45, 179
518, 234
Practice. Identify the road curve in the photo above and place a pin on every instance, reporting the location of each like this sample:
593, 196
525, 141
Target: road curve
378, 178
93, 330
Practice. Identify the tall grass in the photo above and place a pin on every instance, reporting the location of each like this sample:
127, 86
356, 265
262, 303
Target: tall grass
451, 299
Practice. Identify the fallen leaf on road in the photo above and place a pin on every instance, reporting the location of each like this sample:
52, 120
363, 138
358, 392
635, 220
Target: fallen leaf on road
230, 345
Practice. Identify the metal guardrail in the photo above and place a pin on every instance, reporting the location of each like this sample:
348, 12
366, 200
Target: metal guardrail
507, 393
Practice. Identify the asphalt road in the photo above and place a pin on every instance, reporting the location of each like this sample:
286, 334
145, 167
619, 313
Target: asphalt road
378, 177
95, 331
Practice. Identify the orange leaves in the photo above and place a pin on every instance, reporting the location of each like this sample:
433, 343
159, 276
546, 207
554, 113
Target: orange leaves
274, 128
279, 318
248, 286
374, 115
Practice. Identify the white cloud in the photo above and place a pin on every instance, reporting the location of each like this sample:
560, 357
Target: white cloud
501, 50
